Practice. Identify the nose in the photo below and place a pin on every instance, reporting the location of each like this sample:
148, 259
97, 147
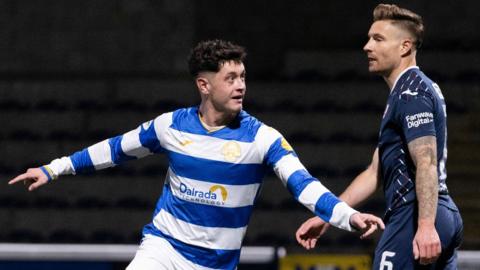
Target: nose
241, 85
368, 45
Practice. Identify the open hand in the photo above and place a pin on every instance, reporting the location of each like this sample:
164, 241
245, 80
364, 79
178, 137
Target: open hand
308, 233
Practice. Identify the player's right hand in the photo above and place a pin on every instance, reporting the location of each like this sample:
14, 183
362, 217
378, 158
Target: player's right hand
367, 224
33, 178
426, 243
310, 231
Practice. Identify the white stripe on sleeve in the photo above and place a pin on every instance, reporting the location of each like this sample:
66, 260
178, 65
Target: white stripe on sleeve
265, 137
161, 124
101, 155
132, 146
61, 166
341, 216
286, 166
311, 194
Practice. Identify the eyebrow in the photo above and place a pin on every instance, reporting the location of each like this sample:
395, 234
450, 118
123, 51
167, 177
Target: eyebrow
375, 35
234, 73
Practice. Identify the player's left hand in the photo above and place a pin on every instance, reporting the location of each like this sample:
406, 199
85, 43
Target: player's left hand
426, 244
366, 223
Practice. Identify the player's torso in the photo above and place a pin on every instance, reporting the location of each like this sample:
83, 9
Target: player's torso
222, 168
395, 163
211, 185
397, 167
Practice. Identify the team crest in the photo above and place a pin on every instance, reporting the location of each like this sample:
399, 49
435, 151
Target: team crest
231, 151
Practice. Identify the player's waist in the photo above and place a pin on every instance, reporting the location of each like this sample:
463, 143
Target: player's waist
443, 199
204, 256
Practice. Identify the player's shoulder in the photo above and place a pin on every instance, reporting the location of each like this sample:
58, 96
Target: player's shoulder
183, 112
260, 128
183, 115
254, 126
268, 131
168, 119
414, 85
246, 119
266, 137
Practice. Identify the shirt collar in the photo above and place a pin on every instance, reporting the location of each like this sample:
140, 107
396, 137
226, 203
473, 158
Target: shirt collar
401, 74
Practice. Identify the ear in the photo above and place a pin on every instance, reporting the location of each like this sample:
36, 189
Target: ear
406, 47
203, 85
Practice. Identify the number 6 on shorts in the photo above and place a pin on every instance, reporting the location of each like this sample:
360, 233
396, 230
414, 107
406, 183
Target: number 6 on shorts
385, 264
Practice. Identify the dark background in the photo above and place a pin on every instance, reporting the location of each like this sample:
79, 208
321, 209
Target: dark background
76, 72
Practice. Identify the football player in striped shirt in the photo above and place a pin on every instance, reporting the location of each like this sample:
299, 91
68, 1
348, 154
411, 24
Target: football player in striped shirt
218, 155
423, 225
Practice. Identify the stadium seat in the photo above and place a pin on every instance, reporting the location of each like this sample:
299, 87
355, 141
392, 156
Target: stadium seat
134, 203
89, 202
24, 236
12, 202
54, 202
106, 237
13, 105
66, 236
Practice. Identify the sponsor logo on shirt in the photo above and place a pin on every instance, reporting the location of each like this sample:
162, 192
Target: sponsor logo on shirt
416, 120
186, 142
215, 195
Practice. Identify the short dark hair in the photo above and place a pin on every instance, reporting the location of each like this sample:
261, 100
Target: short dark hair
402, 17
209, 55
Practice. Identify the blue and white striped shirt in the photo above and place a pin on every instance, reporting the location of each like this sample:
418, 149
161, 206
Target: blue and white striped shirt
212, 181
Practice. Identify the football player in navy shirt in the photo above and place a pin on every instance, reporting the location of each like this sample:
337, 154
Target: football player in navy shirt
423, 225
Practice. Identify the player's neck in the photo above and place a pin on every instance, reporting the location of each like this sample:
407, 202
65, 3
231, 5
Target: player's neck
392, 77
212, 118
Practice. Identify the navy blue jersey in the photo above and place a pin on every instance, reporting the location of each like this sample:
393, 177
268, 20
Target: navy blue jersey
415, 108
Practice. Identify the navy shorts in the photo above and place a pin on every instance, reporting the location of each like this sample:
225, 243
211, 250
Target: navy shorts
395, 251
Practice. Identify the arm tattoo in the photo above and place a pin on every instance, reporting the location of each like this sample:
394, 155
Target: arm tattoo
423, 151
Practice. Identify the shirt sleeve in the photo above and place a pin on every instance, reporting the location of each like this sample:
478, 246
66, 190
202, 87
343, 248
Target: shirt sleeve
134, 144
305, 188
416, 116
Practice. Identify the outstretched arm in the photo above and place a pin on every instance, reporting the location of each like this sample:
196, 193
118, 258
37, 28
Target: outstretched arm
308, 190
362, 187
426, 244
131, 145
